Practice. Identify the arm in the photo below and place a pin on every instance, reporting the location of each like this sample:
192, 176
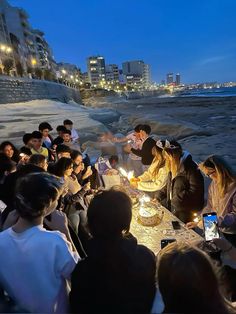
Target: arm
157, 184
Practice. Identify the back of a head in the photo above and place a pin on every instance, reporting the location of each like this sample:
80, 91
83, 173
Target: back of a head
146, 128
173, 148
67, 122
62, 148
26, 138
37, 159
187, 281
37, 134
109, 214
34, 194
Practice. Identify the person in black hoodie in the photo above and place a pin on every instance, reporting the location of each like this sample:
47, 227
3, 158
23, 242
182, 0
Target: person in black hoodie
118, 275
184, 192
148, 143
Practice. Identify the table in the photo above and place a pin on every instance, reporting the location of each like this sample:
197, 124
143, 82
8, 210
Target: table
151, 236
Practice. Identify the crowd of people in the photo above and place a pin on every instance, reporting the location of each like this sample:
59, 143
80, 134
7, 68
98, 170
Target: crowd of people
65, 242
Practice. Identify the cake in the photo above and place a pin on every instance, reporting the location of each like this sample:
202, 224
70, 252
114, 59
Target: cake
148, 216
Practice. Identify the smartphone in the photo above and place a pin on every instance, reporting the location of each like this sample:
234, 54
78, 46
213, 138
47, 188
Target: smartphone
176, 225
210, 224
3, 206
165, 242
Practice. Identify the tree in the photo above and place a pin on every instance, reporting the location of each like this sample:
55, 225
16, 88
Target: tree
8, 65
38, 73
19, 69
29, 70
48, 75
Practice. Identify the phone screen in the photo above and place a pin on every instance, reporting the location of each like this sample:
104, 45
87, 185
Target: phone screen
165, 242
176, 225
210, 226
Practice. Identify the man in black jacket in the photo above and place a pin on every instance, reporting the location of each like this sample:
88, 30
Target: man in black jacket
148, 143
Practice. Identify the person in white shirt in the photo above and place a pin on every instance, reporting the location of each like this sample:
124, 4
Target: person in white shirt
37, 263
74, 134
134, 141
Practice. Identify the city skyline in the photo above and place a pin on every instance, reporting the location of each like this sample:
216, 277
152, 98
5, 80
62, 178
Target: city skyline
195, 40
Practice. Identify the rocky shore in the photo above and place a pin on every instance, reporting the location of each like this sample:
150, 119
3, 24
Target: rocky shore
203, 125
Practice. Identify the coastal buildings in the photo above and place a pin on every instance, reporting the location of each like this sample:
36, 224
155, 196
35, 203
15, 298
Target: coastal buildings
25, 46
96, 70
177, 79
169, 78
136, 73
112, 73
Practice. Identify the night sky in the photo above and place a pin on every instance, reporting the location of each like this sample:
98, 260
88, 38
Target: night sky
194, 37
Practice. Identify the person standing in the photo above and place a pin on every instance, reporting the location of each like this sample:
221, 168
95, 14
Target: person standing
147, 145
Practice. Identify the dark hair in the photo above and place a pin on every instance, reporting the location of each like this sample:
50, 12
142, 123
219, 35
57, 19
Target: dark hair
6, 164
67, 122
109, 214
137, 128
37, 134
45, 125
146, 128
62, 148
113, 158
37, 159
34, 194
62, 165
67, 132
74, 154
26, 138
26, 150
15, 156
61, 128
188, 282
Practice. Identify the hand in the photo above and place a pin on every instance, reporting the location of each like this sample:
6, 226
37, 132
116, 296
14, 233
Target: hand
134, 180
87, 186
88, 173
191, 224
58, 221
222, 244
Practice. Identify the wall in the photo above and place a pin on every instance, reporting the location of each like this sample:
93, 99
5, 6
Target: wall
21, 89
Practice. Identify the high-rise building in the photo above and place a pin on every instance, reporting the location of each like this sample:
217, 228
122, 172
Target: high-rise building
136, 73
112, 73
177, 80
29, 48
169, 78
96, 70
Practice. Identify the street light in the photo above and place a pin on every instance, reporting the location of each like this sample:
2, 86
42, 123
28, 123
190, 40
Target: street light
33, 62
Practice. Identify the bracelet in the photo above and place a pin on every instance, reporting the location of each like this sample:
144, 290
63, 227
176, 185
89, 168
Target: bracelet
229, 249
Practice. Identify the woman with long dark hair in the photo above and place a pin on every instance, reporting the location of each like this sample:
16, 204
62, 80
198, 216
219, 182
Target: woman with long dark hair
10, 151
188, 282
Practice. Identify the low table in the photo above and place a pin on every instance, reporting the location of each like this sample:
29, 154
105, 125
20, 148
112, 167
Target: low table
152, 236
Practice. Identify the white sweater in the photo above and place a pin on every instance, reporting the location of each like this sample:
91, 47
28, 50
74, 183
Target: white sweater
150, 183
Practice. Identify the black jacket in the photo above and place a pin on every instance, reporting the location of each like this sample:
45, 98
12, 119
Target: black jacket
118, 276
146, 152
185, 193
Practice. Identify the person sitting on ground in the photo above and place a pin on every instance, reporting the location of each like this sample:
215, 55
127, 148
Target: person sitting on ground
37, 141
221, 193
118, 275
155, 178
10, 151
59, 139
133, 139
69, 126
67, 140
41, 286
188, 282
184, 191
39, 160
45, 128
27, 140
82, 174
147, 144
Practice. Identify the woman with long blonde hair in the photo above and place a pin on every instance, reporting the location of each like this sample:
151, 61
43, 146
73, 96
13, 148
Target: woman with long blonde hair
184, 191
221, 193
155, 177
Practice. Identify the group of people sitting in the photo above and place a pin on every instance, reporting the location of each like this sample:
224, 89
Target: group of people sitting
66, 247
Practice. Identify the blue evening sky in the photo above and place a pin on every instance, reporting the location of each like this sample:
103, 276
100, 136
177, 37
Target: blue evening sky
196, 38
